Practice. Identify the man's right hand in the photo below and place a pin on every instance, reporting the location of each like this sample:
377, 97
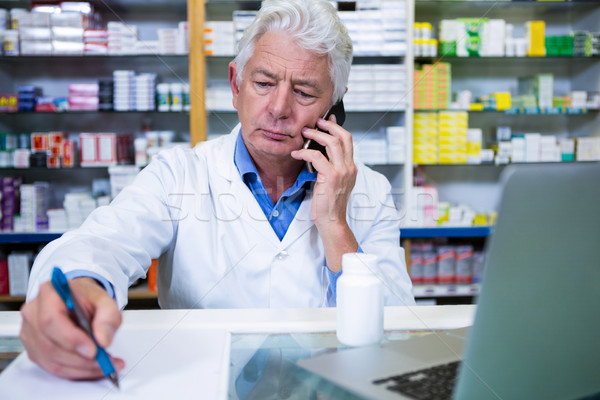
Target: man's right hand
56, 343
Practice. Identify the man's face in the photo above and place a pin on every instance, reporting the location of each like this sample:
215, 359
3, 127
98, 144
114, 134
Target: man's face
284, 88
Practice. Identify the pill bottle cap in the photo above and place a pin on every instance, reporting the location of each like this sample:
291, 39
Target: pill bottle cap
359, 263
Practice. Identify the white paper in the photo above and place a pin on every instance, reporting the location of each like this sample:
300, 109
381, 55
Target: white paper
160, 364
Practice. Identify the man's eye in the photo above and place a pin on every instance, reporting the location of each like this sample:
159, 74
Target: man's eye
305, 95
262, 84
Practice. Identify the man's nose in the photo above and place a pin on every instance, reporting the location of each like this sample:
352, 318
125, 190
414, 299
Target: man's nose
280, 106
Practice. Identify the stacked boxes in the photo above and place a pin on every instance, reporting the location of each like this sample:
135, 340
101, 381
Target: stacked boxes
77, 207
582, 43
541, 86
452, 139
536, 32
83, 96
492, 38
9, 103
124, 90
432, 87
35, 33
559, 46
441, 138
371, 147
218, 97
376, 87
443, 264
67, 33
95, 42
173, 40
567, 149
19, 265
27, 97
499, 101
469, 43
219, 38
145, 92
425, 138
450, 32
387, 146
377, 28
50, 150
396, 144
98, 149
424, 45
34, 205
10, 188
474, 140
595, 44
105, 94
588, 149
176, 97
241, 20
122, 38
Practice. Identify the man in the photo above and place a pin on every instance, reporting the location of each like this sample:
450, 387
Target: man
238, 221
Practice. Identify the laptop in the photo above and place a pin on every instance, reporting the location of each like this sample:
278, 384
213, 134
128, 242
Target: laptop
536, 333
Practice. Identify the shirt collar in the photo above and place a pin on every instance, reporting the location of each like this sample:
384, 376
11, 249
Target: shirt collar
242, 158
246, 166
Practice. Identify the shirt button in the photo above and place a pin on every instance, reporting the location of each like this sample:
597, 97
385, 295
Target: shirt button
275, 213
283, 254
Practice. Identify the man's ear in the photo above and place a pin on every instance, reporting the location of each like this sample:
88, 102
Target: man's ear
235, 90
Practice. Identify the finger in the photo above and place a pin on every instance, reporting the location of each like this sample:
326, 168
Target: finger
333, 147
102, 309
336, 130
55, 324
79, 372
106, 321
316, 158
58, 361
47, 355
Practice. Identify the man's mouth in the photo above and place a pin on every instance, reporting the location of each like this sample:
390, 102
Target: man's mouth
275, 135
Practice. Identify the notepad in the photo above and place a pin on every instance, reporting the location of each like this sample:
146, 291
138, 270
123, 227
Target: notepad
180, 363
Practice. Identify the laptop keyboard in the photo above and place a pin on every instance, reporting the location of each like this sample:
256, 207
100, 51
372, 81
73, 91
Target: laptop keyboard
435, 383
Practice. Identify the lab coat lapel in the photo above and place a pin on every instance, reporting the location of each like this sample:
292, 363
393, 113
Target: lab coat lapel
301, 223
235, 196
252, 215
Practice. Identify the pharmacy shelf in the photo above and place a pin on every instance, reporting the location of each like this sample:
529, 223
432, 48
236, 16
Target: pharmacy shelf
444, 231
502, 3
80, 112
525, 111
8, 4
33, 237
141, 293
494, 165
90, 57
348, 111
439, 290
455, 59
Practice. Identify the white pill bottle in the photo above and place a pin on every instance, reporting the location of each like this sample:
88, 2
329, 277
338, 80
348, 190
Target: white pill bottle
359, 301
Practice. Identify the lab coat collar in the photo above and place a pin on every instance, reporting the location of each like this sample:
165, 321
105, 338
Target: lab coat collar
241, 198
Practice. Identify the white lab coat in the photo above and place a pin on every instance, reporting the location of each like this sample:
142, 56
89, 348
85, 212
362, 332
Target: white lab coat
216, 249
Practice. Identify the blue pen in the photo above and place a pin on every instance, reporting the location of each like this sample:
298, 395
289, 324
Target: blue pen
61, 285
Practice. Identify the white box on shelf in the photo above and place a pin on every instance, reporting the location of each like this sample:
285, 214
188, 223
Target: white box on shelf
18, 272
121, 176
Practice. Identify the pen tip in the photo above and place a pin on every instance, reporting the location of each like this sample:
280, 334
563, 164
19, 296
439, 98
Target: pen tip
113, 378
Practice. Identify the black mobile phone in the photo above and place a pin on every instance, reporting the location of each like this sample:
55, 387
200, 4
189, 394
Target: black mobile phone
340, 116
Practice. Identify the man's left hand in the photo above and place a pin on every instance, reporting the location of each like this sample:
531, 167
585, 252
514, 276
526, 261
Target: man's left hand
336, 177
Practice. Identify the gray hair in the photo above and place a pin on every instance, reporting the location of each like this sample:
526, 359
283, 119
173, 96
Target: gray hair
314, 25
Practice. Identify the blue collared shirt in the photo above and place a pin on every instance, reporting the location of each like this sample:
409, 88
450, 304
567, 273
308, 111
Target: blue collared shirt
282, 214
